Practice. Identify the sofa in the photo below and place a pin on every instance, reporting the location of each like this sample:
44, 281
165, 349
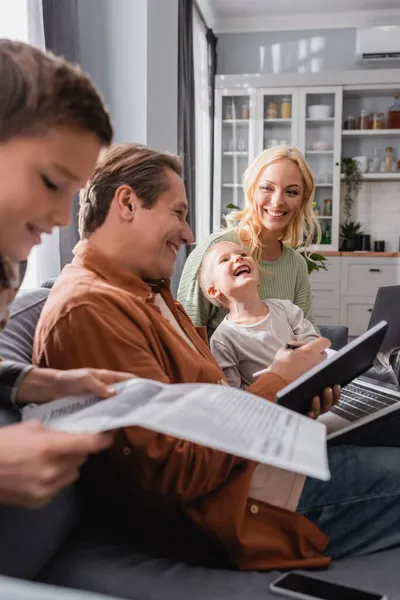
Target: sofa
63, 545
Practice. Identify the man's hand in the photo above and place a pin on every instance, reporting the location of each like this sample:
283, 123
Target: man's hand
42, 385
36, 462
330, 397
291, 364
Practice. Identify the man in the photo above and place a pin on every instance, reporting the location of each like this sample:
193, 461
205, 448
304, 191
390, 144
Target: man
112, 308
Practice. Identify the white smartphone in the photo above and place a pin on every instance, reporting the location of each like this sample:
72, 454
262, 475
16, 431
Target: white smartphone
303, 587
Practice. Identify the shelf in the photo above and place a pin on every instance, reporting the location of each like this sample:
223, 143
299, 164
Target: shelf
281, 121
323, 185
319, 151
239, 121
321, 217
233, 153
231, 185
370, 132
379, 176
329, 121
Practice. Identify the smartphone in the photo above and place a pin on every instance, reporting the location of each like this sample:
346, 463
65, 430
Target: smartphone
303, 587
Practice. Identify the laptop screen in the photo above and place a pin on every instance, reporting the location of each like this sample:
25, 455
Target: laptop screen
387, 308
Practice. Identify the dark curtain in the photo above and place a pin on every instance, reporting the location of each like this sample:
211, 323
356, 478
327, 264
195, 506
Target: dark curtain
186, 119
212, 71
61, 32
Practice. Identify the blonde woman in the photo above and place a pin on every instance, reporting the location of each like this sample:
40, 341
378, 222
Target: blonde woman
278, 216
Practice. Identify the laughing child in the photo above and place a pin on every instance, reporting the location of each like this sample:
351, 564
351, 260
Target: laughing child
253, 331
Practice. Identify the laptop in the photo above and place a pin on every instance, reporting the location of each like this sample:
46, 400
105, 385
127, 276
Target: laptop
377, 392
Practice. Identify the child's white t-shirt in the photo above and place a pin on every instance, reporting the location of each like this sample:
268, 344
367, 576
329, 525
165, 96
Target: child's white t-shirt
242, 350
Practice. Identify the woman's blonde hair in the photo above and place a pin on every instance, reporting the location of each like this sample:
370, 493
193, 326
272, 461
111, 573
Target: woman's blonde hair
302, 231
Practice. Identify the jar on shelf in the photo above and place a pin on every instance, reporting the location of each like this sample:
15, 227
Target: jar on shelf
350, 122
272, 110
328, 207
394, 113
328, 234
286, 108
363, 121
245, 113
377, 120
375, 162
228, 112
389, 159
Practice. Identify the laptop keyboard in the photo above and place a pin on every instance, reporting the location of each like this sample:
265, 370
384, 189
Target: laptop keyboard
357, 402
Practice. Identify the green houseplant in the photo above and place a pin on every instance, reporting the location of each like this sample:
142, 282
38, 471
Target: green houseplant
350, 230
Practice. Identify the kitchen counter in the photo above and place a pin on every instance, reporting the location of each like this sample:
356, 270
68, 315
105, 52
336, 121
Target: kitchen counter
360, 254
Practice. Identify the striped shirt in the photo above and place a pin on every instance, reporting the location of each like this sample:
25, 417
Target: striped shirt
285, 278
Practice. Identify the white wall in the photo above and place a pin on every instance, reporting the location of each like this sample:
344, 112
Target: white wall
162, 74
130, 49
302, 51
378, 210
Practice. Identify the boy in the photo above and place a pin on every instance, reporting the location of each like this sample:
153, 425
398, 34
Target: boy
254, 330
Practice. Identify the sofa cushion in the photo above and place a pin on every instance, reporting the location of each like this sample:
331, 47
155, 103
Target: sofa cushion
16, 341
29, 538
99, 559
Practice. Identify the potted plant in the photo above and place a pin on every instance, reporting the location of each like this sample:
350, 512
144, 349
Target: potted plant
350, 231
353, 181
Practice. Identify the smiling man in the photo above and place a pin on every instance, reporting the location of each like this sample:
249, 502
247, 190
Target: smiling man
113, 306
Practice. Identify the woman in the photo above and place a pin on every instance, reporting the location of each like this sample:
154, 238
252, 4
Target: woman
53, 125
279, 193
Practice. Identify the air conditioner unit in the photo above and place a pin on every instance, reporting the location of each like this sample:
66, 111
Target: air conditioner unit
378, 43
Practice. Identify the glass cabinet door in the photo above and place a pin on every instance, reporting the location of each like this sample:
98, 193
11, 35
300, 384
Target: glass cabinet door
320, 140
233, 151
279, 117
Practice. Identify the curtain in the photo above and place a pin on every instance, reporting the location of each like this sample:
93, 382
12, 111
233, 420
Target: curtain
202, 128
212, 71
61, 34
186, 119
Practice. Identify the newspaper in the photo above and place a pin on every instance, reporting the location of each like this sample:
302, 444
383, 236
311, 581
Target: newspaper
215, 416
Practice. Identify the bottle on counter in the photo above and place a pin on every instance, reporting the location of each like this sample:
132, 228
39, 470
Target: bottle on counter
394, 113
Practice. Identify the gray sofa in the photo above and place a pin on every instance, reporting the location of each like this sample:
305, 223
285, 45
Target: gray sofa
64, 546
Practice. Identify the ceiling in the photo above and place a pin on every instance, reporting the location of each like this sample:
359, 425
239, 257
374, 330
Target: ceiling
223, 9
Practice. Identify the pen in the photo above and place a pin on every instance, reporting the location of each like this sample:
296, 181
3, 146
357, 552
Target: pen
291, 347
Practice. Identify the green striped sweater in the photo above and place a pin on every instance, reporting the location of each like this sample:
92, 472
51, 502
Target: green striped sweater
285, 278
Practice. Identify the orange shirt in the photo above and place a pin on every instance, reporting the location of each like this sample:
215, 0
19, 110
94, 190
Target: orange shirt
98, 315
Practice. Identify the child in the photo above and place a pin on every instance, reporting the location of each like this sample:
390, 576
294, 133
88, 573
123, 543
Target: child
253, 331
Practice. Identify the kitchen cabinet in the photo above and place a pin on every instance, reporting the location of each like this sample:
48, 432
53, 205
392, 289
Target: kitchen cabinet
279, 116
345, 293
252, 113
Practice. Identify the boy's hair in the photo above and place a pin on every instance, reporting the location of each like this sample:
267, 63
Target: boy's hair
40, 91
203, 275
143, 169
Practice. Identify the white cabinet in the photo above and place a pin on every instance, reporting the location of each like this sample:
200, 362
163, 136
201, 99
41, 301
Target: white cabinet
355, 313
345, 293
364, 276
251, 119
320, 141
360, 280
325, 289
